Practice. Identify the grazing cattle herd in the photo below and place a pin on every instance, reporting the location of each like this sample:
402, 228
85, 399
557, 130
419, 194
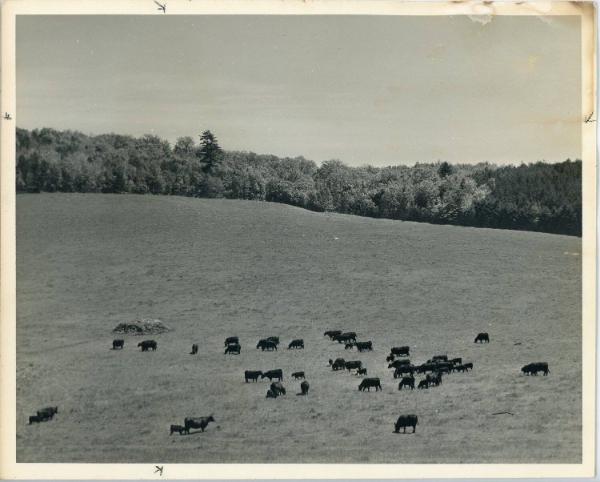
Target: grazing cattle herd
433, 369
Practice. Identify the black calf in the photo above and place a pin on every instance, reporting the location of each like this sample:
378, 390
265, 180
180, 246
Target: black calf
179, 428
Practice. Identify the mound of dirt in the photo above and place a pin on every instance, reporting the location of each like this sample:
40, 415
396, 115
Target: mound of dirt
141, 327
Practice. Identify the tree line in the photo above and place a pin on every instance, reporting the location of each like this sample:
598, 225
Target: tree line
536, 197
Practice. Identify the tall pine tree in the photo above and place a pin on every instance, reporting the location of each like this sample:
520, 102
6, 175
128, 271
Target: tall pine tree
210, 152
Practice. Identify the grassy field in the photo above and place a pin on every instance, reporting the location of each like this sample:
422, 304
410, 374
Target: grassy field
215, 268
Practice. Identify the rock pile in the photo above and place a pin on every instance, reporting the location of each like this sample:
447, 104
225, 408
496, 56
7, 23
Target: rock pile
141, 327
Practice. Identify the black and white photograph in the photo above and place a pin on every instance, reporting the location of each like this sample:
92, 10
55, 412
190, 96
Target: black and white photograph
298, 233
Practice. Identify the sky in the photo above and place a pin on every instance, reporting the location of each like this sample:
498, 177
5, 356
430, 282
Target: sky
377, 90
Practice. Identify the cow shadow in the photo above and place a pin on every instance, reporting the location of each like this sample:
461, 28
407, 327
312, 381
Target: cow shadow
192, 432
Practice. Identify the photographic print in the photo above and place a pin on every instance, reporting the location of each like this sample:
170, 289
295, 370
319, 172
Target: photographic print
298, 233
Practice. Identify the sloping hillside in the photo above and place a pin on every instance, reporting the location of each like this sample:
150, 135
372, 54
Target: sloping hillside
215, 268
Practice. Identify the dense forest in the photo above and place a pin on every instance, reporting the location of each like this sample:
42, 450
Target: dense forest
537, 197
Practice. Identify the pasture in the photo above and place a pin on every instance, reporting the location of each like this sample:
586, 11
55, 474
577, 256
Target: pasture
216, 268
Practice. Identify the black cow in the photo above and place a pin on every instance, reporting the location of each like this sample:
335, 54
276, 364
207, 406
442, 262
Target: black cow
34, 419
252, 375
179, 428
118, 344
482, 338
353, 365
463, 368
277, 388
342, 338
232, 340
265, 344
338, 364
444, 367
47, 413
367, 383
332, 333
148, 345
364, 345
435, 379
273, 339
534, 368
194, 349
438, 358
233, 349
407, 382
423, 384
296, 344
399, 363
271, 394
199, 422
345, 337
349, 346
298, 375
460, 368
400, 351
402, 370
455, 361
304, 386
361, 371
427, 367
270, 374
406, 421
